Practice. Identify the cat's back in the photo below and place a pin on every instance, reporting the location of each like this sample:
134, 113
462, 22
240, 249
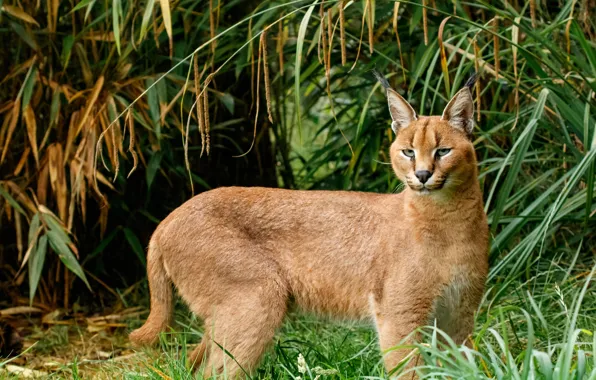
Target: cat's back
254, 209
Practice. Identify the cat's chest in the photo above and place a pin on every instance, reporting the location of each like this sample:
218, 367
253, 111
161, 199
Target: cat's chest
457, 284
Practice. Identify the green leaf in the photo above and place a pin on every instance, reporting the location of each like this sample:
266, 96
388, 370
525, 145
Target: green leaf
116, 15
299, 47
53, 223
82, 4
36, 261
135, 244
24, 34
67, 44
101, 246
60, 246
153, 167
146, 16
153, 103
55, 106
33, 227
28, 87
518, 151
11, 201
228, 102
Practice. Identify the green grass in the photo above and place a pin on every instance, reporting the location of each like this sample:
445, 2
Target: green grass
541, 329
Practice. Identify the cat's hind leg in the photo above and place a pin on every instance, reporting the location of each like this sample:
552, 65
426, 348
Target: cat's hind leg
241, 327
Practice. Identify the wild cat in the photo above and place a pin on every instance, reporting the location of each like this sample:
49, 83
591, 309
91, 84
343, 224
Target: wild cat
239, 255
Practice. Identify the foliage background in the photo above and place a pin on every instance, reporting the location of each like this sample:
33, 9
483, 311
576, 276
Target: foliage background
286, 98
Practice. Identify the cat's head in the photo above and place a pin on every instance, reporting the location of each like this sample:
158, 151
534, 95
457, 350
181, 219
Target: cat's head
433, 154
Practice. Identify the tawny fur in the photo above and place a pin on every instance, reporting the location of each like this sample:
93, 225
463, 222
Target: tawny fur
238, 255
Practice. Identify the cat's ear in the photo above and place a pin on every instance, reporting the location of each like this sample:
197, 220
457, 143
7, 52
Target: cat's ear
460, 109
401, 111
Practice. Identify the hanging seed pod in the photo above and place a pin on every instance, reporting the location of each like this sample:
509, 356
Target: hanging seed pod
199, 103
206, 113
371, 22
342, 32
131, 142
533, 12
477, 85
444, 67
263, 42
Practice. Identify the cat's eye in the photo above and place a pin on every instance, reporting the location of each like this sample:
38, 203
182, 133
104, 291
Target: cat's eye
408, 153
443, 152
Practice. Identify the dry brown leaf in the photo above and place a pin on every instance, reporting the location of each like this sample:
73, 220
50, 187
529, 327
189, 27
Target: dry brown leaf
52, 14
30, 249
31, 125
43, 179
88, 108
567, 28
371, 24
20, 310
18, 223
19, 13
21, 196
11, 127
58, 179
22, 372
22, 161
131, 143
167, 20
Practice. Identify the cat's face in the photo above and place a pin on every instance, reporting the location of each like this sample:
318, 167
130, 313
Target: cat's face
433, 154
430, 155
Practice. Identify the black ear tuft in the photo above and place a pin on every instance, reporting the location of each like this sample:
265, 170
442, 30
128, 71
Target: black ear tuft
472, 80
381, 79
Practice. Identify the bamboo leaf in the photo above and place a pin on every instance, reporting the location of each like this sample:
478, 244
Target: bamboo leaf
19, 13
33, 227
116, 16
146, 17
82, 4
55, 107
62, 248
135, 244
152, 167
31, 125
36, 261
167, 20
24, 34
299, 47
67, 45
11, 201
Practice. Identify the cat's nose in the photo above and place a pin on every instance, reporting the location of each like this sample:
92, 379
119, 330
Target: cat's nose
423, 175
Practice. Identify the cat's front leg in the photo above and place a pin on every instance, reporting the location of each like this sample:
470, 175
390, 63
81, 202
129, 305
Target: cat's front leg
404, 306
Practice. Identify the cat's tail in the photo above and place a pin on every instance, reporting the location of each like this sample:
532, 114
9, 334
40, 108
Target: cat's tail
160, 288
